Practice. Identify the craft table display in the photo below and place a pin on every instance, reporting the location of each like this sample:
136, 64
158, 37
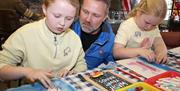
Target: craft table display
127, 74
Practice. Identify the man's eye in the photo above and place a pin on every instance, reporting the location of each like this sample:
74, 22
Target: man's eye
96, 15
85, 11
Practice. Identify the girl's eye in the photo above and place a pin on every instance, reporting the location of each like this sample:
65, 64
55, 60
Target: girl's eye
69, 18
147, 22
57, 16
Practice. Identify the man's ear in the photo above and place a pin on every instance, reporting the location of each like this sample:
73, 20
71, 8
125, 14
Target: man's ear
44, 9
106, 17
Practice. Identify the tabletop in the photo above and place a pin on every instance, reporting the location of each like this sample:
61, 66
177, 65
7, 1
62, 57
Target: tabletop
78, 82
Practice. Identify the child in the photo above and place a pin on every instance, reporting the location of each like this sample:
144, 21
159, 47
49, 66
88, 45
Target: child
139, 34
45, 47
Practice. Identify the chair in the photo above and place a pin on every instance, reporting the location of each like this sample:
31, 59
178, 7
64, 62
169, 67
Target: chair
171, 39
9, 22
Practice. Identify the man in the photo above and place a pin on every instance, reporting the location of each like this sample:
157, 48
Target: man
96, 34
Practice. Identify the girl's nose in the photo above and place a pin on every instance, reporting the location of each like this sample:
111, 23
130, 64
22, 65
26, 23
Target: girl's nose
62, 22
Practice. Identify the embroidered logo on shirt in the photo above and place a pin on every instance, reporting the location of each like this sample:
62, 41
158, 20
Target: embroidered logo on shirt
137, 34
101, 51
67, 51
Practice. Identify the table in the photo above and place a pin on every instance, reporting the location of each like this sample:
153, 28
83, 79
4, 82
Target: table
78, 83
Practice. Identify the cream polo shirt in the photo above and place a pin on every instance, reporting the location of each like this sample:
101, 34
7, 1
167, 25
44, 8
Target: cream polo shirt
35, 46
130, 35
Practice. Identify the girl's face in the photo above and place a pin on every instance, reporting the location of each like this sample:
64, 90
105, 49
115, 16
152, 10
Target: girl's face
147, 22
59, 15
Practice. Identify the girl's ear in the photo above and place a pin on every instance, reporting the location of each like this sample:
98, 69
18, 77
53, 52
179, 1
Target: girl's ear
44, 9
139, 13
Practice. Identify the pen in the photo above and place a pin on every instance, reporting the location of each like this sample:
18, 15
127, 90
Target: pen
118, 69
81, 77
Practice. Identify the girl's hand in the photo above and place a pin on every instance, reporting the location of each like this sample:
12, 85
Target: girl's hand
64, 72
161, 57
40, 75
149, 55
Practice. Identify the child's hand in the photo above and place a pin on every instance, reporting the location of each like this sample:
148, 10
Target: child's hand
149, 55
40, 75
161, 57
64, 72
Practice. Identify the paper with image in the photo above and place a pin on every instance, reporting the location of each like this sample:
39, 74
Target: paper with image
145, 69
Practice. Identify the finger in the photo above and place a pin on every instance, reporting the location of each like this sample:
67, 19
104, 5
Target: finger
49, 74
158, 59
63, 74
71, 72
148, 57
164, 60
44, 83
31, 80
152, 56
48, 81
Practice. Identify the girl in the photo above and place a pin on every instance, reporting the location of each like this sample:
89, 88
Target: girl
45, 47
139, 34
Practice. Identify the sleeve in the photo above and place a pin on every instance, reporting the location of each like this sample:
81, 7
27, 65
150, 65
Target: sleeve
80, 64
122, 35
13, 51
157, 32
110, 57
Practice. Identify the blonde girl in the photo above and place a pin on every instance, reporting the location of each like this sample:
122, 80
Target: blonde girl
139, 34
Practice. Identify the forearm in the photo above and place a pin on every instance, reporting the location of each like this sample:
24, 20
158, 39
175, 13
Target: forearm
125, 52
159, 46
12, 73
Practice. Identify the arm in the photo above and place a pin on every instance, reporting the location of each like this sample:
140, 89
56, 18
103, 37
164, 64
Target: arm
160, 50
119, 51
12, 54
81, 64
8, 72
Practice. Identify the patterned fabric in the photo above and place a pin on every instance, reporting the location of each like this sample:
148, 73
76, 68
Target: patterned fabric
79, 84
174, 59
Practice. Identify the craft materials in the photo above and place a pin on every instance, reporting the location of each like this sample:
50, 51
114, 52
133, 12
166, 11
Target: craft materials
107, 81
169, 83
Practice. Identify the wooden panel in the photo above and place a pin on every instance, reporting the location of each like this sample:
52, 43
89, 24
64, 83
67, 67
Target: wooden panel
171, 39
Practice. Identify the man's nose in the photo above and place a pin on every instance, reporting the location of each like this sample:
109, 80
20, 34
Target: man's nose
88, 18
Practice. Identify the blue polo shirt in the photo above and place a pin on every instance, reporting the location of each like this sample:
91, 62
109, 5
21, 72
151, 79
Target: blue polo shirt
101, 50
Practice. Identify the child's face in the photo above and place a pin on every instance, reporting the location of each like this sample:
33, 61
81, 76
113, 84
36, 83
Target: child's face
59, 15
147, 22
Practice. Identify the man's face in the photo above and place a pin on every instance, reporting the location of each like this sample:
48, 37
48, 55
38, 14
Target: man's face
92, 14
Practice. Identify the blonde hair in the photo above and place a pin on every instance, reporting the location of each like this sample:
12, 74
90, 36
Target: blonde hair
74, 3
157, 8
